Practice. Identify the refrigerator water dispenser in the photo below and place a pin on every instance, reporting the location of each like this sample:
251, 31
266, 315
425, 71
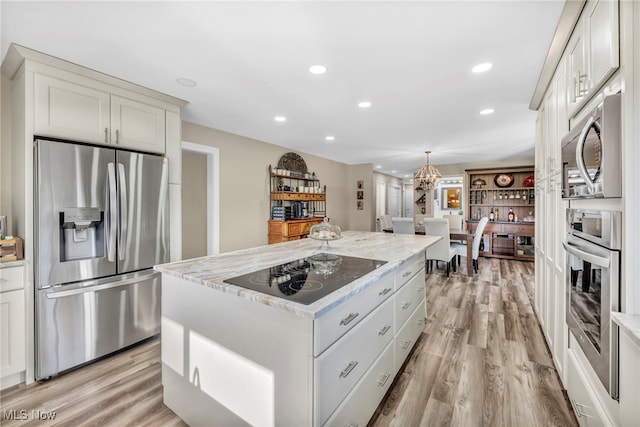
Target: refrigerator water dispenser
82, 233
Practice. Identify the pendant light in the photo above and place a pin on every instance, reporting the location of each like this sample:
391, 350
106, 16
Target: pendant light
427, 176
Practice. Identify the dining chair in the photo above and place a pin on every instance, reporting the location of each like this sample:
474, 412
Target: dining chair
442, 249
403, 225
387, 221
455, 221
461, 249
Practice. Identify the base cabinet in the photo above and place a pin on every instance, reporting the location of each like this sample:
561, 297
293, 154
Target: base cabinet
331, 370
12, 325
581, 394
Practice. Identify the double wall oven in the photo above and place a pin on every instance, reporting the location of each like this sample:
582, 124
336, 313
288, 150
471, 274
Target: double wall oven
593, 245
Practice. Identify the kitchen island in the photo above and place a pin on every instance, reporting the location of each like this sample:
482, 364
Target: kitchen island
232, 355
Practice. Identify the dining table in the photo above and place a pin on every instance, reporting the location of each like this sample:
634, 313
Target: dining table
455, 234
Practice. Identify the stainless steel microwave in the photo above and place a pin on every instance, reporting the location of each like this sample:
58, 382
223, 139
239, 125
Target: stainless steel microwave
591, 158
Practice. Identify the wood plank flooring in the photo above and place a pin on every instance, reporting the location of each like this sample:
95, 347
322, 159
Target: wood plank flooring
481, 361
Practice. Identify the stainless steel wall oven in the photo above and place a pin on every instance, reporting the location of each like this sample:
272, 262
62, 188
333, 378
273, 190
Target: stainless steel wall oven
593, 245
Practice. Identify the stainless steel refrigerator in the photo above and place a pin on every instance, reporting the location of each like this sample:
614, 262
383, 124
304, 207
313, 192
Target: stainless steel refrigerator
101, 223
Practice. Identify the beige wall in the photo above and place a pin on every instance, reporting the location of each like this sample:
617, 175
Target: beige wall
361, 220
244, 184
194, 198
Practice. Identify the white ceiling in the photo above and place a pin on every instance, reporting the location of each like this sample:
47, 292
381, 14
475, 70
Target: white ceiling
412, 60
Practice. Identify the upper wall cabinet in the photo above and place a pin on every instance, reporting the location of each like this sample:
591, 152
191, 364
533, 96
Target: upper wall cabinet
593, 51
74, 111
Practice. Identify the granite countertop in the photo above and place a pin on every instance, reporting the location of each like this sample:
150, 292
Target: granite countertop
629, 324
8, 264
210, 271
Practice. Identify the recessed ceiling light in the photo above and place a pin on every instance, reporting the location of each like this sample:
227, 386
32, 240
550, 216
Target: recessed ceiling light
364, 104
379, 167
280, 119
394, 171
406, 176
481, 68
186, 82
317, 69
330, 138
487, 111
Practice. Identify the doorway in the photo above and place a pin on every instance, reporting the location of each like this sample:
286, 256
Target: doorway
395, 200
200, 200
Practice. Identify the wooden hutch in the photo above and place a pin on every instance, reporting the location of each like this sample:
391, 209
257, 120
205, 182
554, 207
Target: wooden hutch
501, 191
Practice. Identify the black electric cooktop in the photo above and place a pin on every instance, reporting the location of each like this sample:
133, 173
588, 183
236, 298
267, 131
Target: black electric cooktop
306, 280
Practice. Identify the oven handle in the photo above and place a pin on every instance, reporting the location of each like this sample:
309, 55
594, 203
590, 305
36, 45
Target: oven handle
591, 258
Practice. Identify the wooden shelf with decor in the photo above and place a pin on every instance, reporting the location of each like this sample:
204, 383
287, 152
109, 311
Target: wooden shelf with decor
297, 200
508, 194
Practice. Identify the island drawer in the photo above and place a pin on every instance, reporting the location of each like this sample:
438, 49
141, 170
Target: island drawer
363, 400
11, 278
338, 370
343, 317
408, 335
409, 269
408, 298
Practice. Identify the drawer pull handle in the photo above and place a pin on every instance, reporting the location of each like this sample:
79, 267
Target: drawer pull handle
384, 330
106, 136
348, 319
3, 280
420, 289
346, 371
406, 305
408, 273
406, 345
422, 322
382, 381
117, 136
384, 291
352, 425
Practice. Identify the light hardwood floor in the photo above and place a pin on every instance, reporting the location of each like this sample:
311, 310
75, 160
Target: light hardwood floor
481, 361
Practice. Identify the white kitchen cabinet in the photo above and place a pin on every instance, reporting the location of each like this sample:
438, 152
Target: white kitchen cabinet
69, 110
581, 395
340, 368
137, 125
65, 109
593, 51
363, 400
335, 366
629, 380
12, 324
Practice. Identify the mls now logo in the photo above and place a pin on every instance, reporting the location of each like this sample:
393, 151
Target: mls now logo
14, 414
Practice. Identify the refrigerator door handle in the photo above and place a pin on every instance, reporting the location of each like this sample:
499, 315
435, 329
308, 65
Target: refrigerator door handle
123, 211
112, 213
100, 287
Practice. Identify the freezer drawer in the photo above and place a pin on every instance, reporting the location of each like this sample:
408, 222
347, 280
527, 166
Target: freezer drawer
79, 323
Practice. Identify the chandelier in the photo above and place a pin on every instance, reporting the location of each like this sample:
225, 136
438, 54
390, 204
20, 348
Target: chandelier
427, 176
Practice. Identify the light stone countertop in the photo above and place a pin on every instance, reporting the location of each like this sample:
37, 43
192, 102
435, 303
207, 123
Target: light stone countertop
629, 324
210, 271
8, 264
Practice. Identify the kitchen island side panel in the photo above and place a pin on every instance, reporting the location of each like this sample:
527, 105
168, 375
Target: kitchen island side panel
229, 361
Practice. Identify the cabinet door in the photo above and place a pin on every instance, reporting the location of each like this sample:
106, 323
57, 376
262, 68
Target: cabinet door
577, 68
602, 27
137, 125
12, 332
67, 110
581, 394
